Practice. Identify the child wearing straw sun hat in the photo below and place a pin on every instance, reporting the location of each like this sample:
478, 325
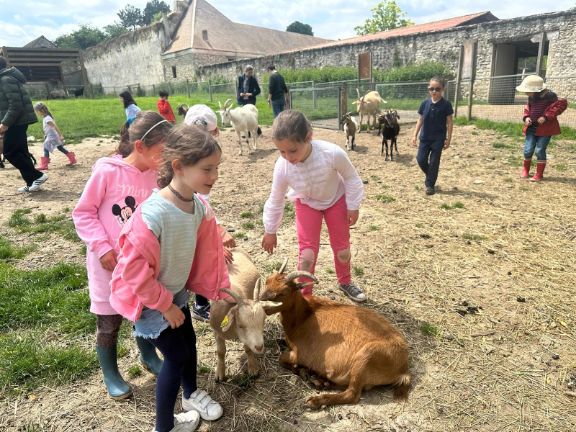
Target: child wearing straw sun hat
540, 122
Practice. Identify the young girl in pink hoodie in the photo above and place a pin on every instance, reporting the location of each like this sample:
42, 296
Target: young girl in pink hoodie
117, 186
171, 245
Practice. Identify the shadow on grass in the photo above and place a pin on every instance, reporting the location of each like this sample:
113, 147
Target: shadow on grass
565, 180
465, 193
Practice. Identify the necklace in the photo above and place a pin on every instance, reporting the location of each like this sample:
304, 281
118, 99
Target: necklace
178, 195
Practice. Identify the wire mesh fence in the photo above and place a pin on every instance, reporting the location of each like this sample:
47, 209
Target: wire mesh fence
320, 105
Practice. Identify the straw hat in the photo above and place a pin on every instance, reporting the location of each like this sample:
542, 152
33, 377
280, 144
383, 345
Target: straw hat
531, 84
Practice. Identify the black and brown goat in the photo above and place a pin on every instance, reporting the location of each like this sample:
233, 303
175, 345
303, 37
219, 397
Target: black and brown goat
350, 128
182, 109
349, 345
389, 128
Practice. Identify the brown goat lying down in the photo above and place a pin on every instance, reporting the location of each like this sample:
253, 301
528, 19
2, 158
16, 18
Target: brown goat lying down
349, 345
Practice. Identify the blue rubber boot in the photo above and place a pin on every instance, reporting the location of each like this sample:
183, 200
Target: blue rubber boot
117, 388
148, 356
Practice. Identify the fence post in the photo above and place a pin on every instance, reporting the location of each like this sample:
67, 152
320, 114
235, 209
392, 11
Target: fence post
314, 102
153, 89
342, 103
458, 81
472, 79
210, 89
188, 88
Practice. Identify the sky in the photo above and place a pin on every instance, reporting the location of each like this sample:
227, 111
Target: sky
25, 20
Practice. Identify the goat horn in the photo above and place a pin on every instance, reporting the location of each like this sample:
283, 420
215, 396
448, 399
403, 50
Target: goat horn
239, 300
296, 274
283, 266
220, 104
358, 92
257, 289
226, 104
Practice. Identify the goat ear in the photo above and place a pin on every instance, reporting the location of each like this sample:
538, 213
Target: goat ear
270, 306
228, 320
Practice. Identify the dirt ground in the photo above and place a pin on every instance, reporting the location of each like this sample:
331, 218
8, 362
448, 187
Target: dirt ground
483, 291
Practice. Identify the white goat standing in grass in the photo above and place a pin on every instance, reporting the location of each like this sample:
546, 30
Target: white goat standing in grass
369, 106
244, 120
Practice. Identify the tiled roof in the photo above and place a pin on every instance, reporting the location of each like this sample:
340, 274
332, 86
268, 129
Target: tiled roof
204, 28
416, 28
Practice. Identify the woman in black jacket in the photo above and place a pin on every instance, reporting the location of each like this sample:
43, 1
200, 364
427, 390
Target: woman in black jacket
16, 113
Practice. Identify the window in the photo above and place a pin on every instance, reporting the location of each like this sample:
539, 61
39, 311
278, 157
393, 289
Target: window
174, 72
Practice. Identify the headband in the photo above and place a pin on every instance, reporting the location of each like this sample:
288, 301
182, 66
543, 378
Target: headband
152, 128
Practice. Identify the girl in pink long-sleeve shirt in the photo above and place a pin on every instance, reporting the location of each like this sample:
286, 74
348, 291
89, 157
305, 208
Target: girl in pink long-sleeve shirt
116, 187
324, 185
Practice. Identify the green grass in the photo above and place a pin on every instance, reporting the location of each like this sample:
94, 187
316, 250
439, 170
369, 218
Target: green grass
50, 297
373, 227
135, 371
508, 128
561, 167
246, 215
81, 118
271, 267
248, 225
358, 271
501, 145
240, 235
429, 329
385, 198
455, 205
25, 363
9, 251
62, 224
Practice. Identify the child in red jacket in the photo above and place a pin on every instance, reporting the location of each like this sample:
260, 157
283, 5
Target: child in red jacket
164, 107
540, 122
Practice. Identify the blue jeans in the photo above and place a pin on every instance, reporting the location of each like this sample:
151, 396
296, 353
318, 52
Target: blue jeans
278, 106
536, 143
428, 158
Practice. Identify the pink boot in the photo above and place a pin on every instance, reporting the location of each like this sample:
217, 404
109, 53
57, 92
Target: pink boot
526, 168
71, 157
540, 165
44, 161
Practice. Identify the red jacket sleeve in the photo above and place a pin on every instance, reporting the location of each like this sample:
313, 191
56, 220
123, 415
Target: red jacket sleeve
555, 109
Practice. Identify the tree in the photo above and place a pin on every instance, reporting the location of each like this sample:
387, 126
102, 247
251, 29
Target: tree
386, 15
152, 9
82, 38
131, 16
298, 27
114, 30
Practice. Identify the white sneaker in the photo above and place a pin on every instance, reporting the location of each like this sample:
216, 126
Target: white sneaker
201, 401
186, 421
24, 189
37, 183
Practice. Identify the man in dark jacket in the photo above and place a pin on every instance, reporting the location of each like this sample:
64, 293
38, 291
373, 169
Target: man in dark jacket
278, 95
16, 113
248, 87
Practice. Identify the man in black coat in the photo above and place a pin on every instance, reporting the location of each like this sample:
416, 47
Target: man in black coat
248, 87
278, 95
16, 113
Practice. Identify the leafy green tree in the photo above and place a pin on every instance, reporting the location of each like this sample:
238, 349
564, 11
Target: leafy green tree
82, 38
131, 16
298, 27
386, 15
114, 30
152, 9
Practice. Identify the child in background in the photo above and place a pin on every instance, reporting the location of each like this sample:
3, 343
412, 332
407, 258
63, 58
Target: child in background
323, 185
435, 127
52, 137
130, 107
204, 117
172, 244
115, 189
540, 122
164, 107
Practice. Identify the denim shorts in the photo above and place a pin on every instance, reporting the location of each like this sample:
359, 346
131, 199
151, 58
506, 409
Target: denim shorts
151, 323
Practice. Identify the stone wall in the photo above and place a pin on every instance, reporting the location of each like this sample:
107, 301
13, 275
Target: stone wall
439, 46
132, 58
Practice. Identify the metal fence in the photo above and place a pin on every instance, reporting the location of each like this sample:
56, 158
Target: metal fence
493, 98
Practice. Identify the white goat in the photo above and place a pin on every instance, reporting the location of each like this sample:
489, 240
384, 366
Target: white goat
244, 119
243, 320
369, 106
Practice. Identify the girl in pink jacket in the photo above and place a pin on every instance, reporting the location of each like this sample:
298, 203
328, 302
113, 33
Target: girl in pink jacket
117, 186
171, 245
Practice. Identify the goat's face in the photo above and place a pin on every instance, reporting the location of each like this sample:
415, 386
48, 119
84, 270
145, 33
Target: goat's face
277, 289
389, 119
248, 318
346, 118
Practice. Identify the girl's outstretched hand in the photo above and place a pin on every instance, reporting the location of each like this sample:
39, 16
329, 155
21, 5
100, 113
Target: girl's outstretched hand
228, 257
108, 260
353, 216
228, 241
269, 242
174, 316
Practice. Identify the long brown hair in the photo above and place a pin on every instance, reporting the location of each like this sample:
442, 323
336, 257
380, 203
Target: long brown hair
147, 123
291, 125
188, 144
